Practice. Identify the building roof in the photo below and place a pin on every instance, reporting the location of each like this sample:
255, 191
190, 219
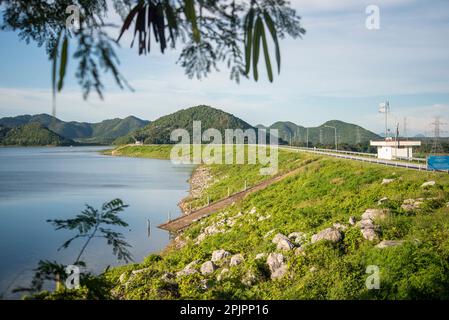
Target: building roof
397, 143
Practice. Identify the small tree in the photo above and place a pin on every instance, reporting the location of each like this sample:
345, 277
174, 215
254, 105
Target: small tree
90, 223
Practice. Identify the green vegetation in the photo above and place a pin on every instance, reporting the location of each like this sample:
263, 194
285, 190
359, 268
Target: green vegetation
158, 131
32, 134
325, 191
100, 133
323, 136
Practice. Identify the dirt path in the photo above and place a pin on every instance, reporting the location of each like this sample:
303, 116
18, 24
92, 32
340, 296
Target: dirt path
184, 221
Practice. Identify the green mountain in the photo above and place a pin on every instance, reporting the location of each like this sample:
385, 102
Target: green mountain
158, 131
347, 133
103, 132
32, 134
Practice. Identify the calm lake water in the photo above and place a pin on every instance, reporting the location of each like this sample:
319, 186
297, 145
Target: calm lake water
37, 184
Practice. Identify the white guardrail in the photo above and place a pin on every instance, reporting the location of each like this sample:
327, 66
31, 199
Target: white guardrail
364, 157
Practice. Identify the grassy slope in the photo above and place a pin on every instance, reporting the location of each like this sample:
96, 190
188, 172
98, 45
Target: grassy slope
326, 191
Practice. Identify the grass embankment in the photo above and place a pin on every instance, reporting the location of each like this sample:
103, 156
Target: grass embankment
325, 192
224, 179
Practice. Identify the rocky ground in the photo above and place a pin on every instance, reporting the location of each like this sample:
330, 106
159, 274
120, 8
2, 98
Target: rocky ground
200, 180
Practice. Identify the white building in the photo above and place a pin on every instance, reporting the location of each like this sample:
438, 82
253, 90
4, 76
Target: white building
395, 149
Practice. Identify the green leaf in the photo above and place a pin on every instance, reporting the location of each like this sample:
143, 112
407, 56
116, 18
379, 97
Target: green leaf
63, 63
54, 66
189, 11
272, 29
249, 22
266, 54
129, 18
256, 50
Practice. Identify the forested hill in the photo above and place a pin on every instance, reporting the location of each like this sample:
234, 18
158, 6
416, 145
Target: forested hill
158, 131
102, 132
32, 134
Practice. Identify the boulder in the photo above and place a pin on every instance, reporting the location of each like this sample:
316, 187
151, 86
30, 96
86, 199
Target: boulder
411, 204
276, 264
369, 234
340, 226
375, 214
365, 224
297, 237
236, 260
329, 234
207, 267
278, 237
389, 243
188, 269
428, 184
219, 255
387, 181
285, 244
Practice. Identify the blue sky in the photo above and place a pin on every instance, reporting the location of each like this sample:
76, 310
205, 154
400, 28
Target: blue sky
339, 70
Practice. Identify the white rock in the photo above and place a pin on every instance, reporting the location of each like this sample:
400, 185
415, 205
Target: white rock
207, 267
284, 244
428, 184
329, 234
188, 269
219, 255
253, 210
278, 237
387, 181
365, 224
382, 200
297, 237
389, 243
340, 226
375, 214
351, 221
236, 259
369, 234
276, 264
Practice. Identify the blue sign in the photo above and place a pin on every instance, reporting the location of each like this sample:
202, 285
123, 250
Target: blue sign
438, 163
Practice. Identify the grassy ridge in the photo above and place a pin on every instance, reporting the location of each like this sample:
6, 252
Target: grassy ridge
327, 190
